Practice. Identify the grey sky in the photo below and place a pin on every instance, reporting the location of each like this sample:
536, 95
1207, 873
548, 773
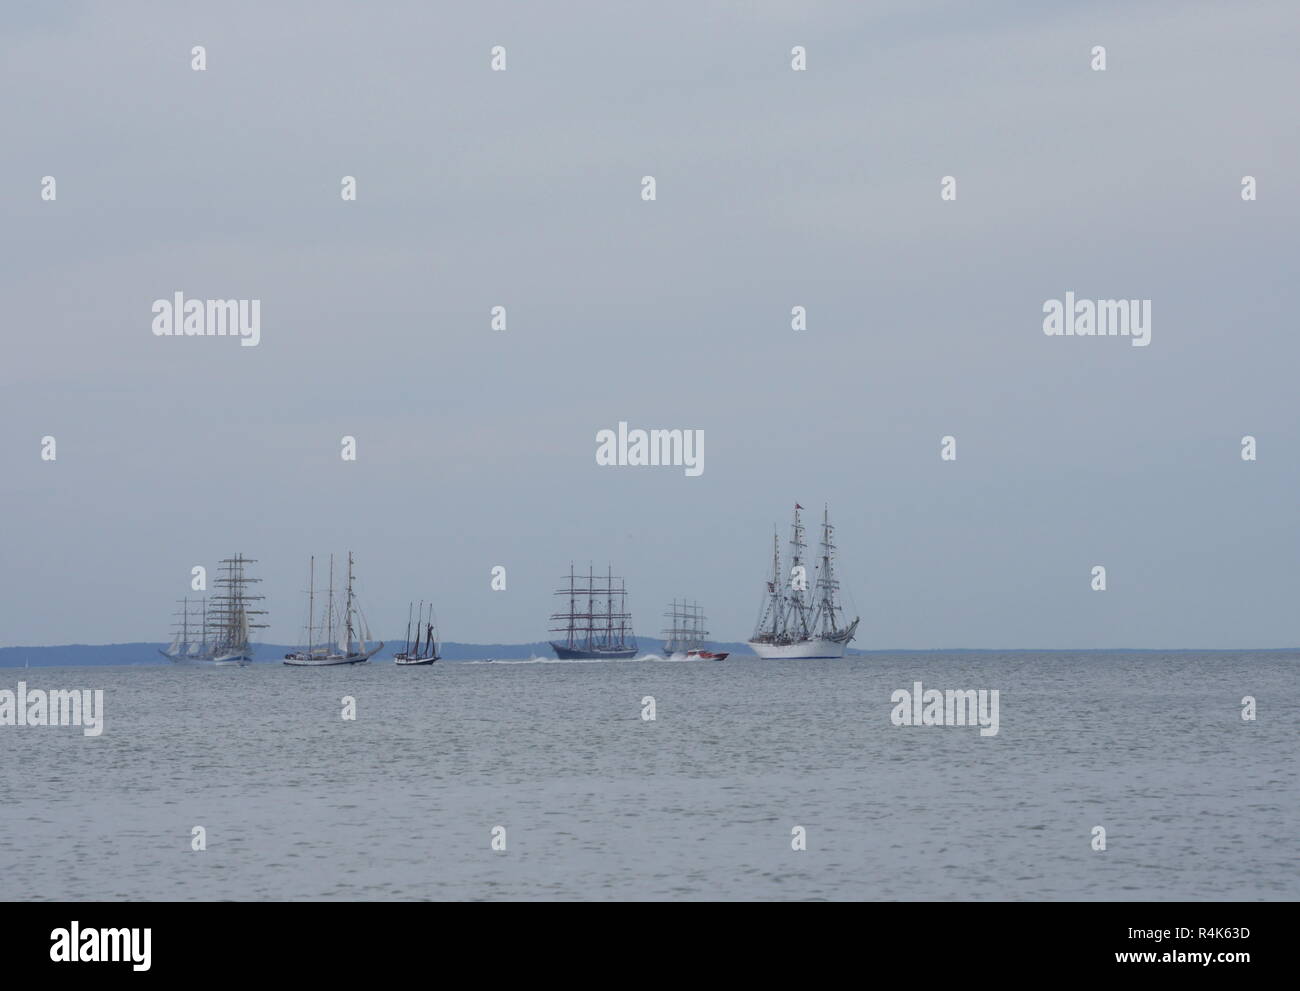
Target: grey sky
775, 188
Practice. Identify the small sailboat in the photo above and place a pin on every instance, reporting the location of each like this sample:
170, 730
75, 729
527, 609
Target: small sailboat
418, 653
321, 648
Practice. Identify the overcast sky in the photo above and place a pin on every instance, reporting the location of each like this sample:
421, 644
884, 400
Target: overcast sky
775, 188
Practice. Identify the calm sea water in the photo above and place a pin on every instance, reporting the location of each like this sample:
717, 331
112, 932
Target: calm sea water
698, 804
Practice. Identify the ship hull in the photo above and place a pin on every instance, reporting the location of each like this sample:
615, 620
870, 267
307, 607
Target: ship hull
330, 660
578, 654
224, 661
816, 647
413, 661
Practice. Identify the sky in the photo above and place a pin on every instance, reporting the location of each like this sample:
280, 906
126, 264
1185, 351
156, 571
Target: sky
775, 188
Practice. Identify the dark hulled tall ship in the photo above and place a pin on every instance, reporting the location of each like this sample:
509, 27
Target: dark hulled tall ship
596, 625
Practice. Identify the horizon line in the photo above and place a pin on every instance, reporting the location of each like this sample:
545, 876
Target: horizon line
859, 650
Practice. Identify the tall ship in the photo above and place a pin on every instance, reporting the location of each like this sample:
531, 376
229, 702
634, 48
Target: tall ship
792, 623
189, 634
685, 636
216, 629
417, 652
597, 625
341, 635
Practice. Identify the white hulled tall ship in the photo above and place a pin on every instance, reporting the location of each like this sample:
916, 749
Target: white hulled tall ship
685, 636
597, 625
791, 624
341, 635
189, 637
216, 630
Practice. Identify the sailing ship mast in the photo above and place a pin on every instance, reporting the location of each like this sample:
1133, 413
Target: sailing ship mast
826, 620
180, 631
327, 624
311, 601
353, 632
431, 635
771, 619
590, 618
798, 605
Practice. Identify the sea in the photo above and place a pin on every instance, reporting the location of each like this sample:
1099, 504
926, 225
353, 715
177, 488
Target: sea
754, 780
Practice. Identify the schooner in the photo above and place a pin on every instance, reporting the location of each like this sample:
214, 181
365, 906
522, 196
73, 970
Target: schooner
417, 652
341, 635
